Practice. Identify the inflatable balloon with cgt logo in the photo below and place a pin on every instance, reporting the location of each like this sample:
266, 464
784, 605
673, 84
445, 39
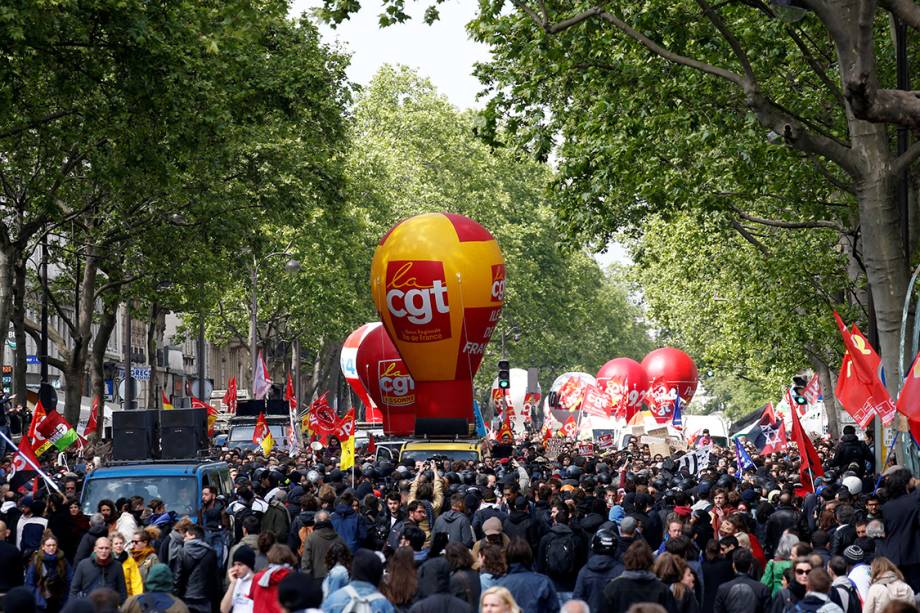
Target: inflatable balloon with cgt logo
438, 282
387, 380
348, 363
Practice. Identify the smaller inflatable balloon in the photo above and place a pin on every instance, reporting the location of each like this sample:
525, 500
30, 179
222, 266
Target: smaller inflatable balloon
388, 382
568, 390
625, 383
671, 374
348, 362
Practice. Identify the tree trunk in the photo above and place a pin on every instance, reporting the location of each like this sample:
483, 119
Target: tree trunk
153, 322
81, 331
19, 328
100, 341
8, 259
827, 390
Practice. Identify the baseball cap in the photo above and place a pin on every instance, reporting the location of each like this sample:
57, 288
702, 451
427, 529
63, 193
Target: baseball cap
493, 525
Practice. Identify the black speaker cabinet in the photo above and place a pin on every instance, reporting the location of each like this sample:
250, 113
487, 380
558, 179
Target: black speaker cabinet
134, 435
183, 432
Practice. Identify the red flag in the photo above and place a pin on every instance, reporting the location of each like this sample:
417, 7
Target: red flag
547, 434
230, 398
909, 398
855, 396
346, 425
212, 413
289, 394
569, 428
595, 402
773, 430
23, 471
91, 424
38, 416
321, 420
371, 444
811, 463
867, 370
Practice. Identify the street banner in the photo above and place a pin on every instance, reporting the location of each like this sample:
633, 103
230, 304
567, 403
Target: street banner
694, 461
812, 391
605, 441
554, 448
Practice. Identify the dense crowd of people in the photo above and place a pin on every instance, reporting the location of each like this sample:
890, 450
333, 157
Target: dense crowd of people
517, 531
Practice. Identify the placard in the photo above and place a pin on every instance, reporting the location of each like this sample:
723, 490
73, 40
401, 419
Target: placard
606, 441
586, 448
554, 448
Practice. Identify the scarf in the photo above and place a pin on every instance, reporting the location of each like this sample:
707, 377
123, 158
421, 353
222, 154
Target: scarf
140, 555
265, 579
102, 563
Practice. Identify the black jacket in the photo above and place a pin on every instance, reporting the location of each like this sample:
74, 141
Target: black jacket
902, 527
742, 595
715, 573
594, 577
11, 563
85, 548
520, 524
851, 449
434, 590
782, 519
465, 585
198, 579
564, 582
637, 586
843, 537
89, 575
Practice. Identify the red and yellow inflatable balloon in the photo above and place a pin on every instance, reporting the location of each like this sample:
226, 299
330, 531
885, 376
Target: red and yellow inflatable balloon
438, 282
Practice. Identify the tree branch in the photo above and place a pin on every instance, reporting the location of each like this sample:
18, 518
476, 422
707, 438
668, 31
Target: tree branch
790, 225
34, 123
730, 38
746, 235
907, 10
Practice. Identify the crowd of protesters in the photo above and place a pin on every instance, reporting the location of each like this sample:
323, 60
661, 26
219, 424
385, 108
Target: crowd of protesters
517, 531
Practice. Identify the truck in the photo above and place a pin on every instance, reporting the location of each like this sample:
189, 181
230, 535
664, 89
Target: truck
242, 425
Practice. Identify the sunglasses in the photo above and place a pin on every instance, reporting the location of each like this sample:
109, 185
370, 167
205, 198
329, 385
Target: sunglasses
802, 571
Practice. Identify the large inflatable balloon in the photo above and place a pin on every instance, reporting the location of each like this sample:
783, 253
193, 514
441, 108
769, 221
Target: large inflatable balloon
387, 380
516, 400
625, 383
671, 374
565, 397
348, 361
438, 282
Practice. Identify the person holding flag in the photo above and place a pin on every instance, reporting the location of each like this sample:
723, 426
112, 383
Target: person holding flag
262, 435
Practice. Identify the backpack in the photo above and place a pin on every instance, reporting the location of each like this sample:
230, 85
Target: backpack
239, 515
358, 603
154, 603
853, 604
560, 555
808, 607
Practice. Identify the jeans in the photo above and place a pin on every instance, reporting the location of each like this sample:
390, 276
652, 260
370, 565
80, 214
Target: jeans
217, 539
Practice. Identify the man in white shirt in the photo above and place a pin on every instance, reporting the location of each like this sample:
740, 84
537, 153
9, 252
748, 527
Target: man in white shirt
859, 571
240, 574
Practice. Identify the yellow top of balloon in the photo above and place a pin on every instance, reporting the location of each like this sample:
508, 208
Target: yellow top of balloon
438, 282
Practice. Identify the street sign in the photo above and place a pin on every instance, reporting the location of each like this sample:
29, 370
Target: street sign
32, 359
140, 373
121, 390
7, 378
208, 388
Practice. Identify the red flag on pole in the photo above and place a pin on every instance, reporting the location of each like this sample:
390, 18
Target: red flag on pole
91, 424
230, 398
371, 444
212, 413
867, 369
909, 398
569, 428
853, 394
811, 463
289, 395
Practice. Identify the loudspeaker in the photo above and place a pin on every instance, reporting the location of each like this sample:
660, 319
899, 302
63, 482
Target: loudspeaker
183, 432
441, 426
134, 435
252, 408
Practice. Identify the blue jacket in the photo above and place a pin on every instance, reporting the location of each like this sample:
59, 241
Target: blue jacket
349, 526
339, 599
50, 567
532, 591
594, 577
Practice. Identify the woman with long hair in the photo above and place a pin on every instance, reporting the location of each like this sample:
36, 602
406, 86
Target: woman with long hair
498, 599
674, 572
400, 582
338, 561
142, 551
464, 581
48, 576
264, 591
887, 586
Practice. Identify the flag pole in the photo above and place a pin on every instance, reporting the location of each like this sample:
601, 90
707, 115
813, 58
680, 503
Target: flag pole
32, 464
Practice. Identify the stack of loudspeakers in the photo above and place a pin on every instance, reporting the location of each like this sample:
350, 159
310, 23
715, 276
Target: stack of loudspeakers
134, 435
183, 432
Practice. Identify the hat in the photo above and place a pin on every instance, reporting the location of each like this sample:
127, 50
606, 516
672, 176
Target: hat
160, 578
854, 554
244, 555
617, 514
298, 591
493, 525
749, 496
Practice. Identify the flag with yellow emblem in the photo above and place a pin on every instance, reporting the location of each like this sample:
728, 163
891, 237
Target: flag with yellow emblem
262, 436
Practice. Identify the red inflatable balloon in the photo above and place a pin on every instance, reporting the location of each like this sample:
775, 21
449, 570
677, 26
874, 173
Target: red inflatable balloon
671, 373
626, 383
388, 381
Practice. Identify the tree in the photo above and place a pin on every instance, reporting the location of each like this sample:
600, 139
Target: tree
620, 84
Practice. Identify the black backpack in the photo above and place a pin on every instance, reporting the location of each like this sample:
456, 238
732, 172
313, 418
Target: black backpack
853, 603
560, 555
239, 515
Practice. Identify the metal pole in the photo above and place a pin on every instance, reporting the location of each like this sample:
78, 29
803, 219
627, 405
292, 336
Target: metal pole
129, 380
43, 350
253, 322
298, 391
201, 359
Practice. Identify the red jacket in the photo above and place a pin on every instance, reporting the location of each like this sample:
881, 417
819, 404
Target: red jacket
264, 590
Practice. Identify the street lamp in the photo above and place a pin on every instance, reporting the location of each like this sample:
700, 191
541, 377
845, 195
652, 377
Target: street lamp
291, 266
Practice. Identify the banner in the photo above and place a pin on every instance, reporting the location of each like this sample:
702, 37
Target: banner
595, 402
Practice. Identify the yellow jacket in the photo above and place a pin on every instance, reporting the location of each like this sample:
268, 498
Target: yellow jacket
132, 577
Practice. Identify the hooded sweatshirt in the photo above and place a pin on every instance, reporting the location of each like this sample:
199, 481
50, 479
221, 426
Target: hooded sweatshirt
156, 595
264, 591
350, 527
434, 590
457, 527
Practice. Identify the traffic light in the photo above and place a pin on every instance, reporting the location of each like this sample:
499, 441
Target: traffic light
798, 391
504, 375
